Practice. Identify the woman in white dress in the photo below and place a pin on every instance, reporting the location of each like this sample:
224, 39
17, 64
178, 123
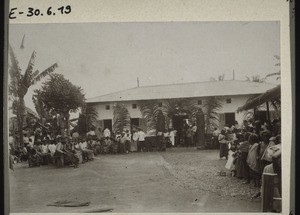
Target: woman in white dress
172, 137
133, 144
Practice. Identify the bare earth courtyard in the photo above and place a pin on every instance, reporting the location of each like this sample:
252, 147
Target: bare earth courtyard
179, 180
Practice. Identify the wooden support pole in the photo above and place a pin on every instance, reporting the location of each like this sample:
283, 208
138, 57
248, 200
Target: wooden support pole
267, 192
268, 114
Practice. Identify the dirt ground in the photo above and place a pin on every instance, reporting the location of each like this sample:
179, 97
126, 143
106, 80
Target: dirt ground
179, 180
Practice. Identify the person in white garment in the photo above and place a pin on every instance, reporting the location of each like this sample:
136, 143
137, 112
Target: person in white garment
172, 137
106, 133
141, 142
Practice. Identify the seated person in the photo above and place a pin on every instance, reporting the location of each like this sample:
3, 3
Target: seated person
69, 155
107, 145
45, 153
86, 153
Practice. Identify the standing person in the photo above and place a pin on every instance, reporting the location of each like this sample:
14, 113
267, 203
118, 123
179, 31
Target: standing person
106, 133
252, 159
215, 135
242, 168
99, 134
172, 137
59, 151
230, 165
189, 136
135, 137
52, 148
122, 143
127, 141
223, 145
45, 151
166, 140
26, 140
194, 129
141, 140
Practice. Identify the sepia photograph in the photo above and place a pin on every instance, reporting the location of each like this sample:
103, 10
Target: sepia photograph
147, 117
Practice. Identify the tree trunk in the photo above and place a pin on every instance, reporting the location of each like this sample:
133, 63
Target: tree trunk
67, 116
20, 116
160, 127
200, 130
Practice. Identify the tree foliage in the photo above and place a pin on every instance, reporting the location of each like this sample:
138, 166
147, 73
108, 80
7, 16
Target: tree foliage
212, 105
220, 78
59, 95
150, 110
121, 118
20, 83
256, 78
276, 74
87, 118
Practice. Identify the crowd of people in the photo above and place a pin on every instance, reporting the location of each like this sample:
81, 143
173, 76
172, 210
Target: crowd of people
251, 149
42, 148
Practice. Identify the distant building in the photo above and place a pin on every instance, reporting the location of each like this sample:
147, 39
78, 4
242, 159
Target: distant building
233, 93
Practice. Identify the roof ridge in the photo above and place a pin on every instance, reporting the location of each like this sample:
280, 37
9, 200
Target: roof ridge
111, 93
198, 82
189, 83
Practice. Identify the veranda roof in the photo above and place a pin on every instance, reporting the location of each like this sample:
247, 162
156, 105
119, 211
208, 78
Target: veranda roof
269, 95
185, 90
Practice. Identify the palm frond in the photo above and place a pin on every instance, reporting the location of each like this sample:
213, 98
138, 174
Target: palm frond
91, 114
28, 72
272, 74
121, 118
44, 73
256, 78
22, 43
212, 105
148, 113
15, 73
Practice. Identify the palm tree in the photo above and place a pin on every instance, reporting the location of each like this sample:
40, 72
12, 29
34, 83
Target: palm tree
39, 105
256, 78
91, 115
20, 83
121, 118
278, 74
220, 78
212, 105
150, 111
86, 119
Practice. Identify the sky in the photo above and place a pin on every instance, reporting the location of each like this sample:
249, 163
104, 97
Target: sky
108, 57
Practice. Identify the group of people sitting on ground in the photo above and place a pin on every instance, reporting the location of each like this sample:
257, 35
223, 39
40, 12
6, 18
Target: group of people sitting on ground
251, 150
39, 149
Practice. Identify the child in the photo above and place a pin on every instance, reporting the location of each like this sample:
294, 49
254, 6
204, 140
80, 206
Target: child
230, 165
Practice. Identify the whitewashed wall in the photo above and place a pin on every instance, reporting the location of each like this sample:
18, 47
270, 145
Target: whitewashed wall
108, 114
236, 101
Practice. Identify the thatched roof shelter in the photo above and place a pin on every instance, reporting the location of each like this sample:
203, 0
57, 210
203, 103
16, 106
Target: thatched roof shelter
268, 96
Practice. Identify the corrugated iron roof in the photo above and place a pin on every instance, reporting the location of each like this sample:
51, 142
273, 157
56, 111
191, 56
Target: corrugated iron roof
185, 90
